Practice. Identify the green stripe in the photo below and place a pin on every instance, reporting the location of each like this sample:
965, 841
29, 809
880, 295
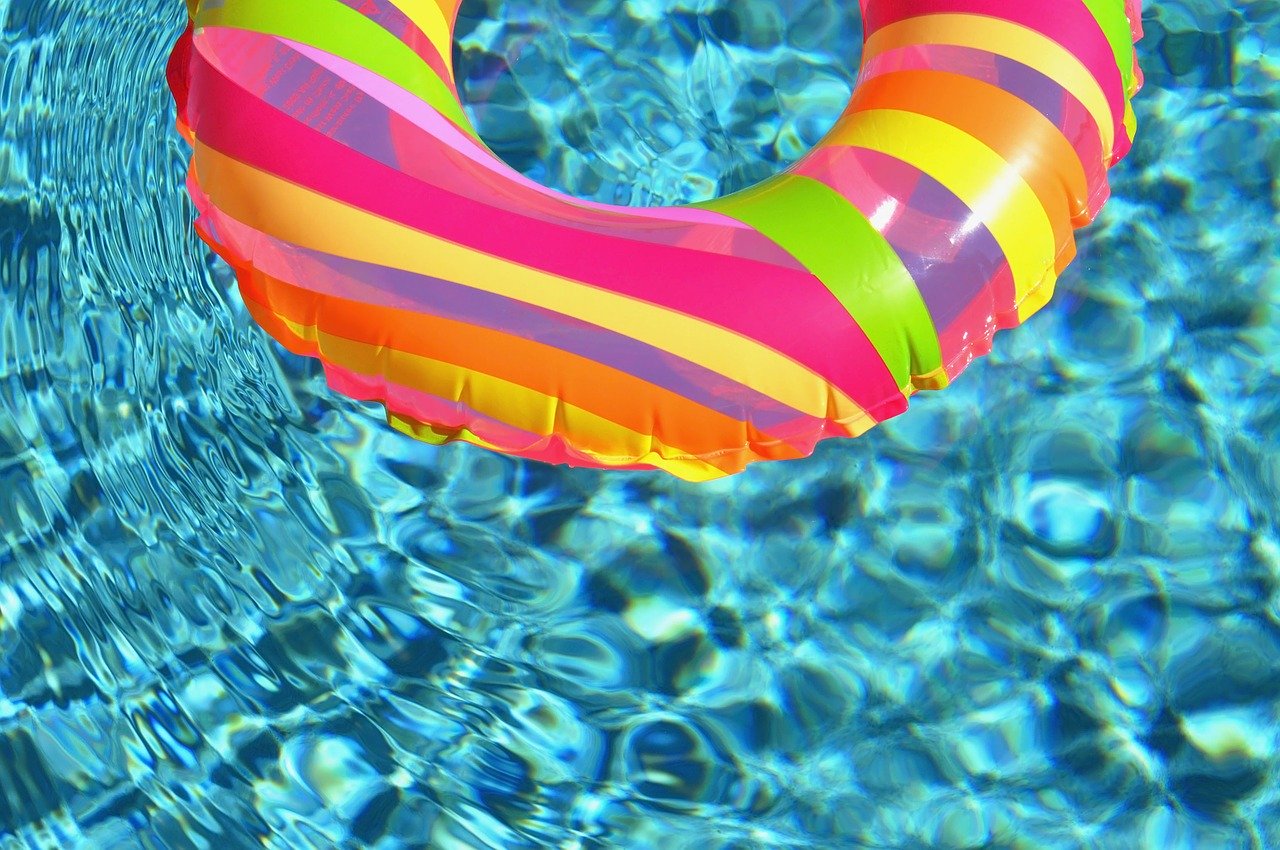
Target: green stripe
1114, 23
337, 29
841, 248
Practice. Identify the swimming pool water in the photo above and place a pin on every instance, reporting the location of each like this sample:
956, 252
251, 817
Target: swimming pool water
657, 102
1039, 610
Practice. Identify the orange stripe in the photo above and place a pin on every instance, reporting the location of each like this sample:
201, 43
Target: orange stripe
594, 446
611, 394
1025, 139
406, 371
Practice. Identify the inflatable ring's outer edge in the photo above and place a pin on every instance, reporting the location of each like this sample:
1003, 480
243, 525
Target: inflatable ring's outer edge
762, 210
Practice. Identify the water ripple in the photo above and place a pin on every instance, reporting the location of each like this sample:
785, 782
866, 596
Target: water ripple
1042, 610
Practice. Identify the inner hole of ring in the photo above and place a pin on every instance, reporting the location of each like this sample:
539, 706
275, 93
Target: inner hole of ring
654, 102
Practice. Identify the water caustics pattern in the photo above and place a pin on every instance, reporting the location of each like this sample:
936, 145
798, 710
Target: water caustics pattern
336, 171
238, 611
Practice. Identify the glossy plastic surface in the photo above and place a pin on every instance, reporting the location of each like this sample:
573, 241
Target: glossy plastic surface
335, 170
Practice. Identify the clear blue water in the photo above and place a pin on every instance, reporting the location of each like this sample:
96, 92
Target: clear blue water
1041, 610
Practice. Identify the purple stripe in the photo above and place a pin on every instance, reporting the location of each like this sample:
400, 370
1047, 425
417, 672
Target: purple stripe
959, 260
384, 15
1056, 103
328, 104
1036, 89
356, 280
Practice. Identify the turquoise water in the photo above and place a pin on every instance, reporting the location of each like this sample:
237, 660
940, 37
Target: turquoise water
1041, 610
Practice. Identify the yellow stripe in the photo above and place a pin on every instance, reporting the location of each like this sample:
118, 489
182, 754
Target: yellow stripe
979, 176
604, 441
430, 19
1012, 41
307, 218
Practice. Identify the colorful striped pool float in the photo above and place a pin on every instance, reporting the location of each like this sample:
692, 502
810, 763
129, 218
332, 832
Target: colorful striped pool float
368, 225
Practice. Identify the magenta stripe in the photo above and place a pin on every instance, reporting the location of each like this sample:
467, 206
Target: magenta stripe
441, 154
723, 290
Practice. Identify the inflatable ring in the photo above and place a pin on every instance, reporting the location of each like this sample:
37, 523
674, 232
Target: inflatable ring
334, 169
